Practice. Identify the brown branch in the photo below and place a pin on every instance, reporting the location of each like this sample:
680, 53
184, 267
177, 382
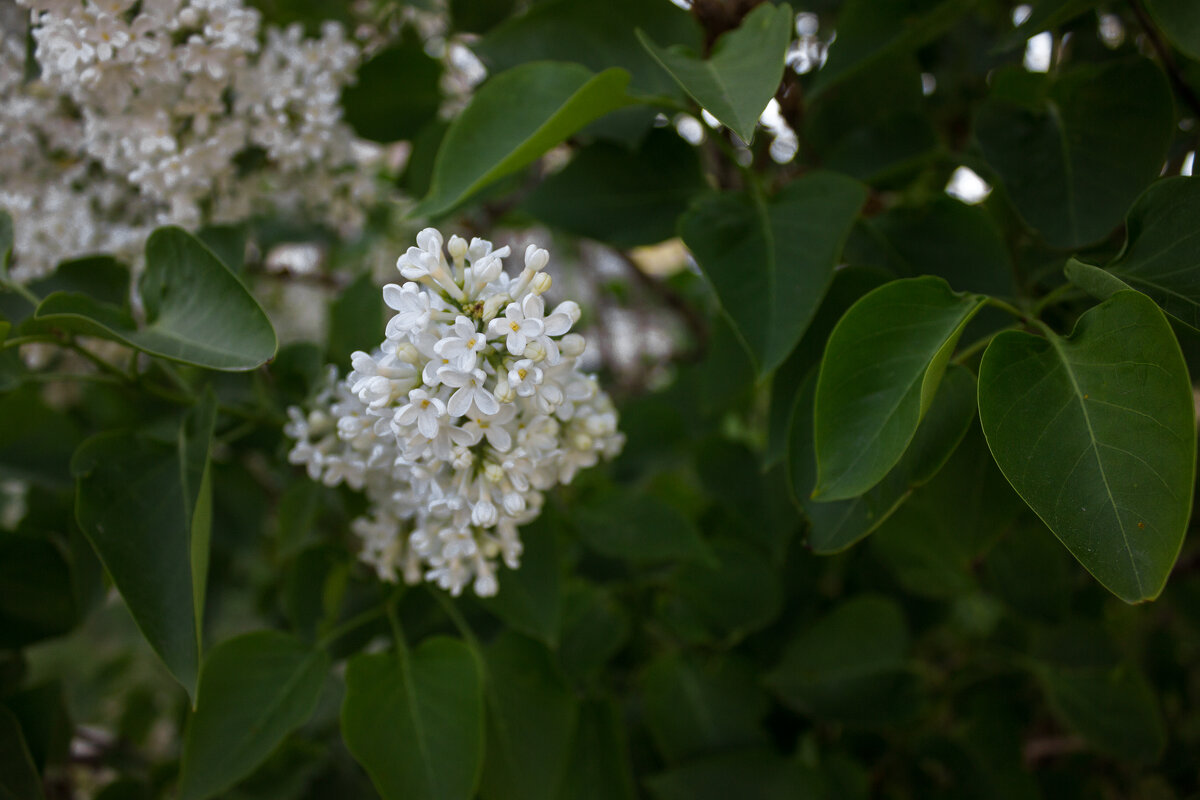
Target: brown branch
696, 325
1182, 88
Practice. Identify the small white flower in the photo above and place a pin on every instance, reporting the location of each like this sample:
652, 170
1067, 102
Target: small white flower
471, 392
461, 348
520, 324
424, 410
524, 377
414, 306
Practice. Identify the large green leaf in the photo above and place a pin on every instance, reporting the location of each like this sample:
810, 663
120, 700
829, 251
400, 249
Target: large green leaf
1162, 252
531, 714
868, 30
19, 779
1112, 707
395, 93
599, 764
1045, 15
771, 261
755, 773
197, 311
880, 373
595, 628
254, 689
6, 243
1180, 20
146, 508
834, 526
1074, 160
620, 197
850, 665
490, 139
740, 76
356, 320
414, 720
1096, 431
738, 593
596, 35
39, 448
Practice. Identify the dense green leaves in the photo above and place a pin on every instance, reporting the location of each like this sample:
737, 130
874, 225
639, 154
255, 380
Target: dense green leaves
197, 311
741, 74
1113, 708
620, 197
770, 261
532, 598
146, 508
879, 376
254, 689
395, 93
868, 30
1073, 151
834, 526
37, 598
639, 527
849, 666
1096, 432
414, 720
487, 141
1161, 255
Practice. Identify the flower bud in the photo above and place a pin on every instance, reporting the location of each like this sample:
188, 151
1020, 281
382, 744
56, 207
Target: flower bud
457, 247
492, 306
536, 258
504, 391
540, 283
493, 472
572, 345
535, 351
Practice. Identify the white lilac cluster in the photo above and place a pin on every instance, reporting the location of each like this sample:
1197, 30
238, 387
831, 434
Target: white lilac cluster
149, 112
469, 410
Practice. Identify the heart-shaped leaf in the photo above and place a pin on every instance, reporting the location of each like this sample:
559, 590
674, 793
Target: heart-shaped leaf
254, 690
740, 77
1073, 160
490, 140
19, 779
1162, 252
771, 261
1096, 432
197, 311
146, 508
1180, 20
880, 373
415, 720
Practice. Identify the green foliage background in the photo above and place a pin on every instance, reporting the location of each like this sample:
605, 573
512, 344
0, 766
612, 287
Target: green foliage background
886, 525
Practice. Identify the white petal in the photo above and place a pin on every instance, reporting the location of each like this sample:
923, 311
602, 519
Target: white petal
460, 401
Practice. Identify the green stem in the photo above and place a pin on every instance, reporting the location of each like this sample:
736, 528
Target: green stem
352, 624
394, 622
22, 290
17, 341
100, 363
54, 377
1056, 295
1007, 308
456, 617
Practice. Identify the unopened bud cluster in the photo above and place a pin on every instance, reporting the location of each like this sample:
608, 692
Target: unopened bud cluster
469, 410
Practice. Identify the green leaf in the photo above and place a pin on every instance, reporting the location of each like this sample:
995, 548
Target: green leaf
848, 285
254, 690
599, 767
477, 16
874, 126
19, 779
197, 311
530, 598
595, 628
1161, 257
395, 92
415, 720
39, 449
1074, 162
6, 243
834, 526
868, 30
944, 237
740, 76
693, 708
37, 599
355, 320
1096, 432
1045, 15
42, 712
850, 665
771, 261
146, 509
879, 376
638, 527
596, 35
1180, 21
531, 714
737, 594
622, 198
1113, 708
1031, 572
488, 141
757, 773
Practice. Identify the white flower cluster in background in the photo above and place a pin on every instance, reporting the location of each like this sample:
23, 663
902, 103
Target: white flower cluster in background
469, 410
170, 112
